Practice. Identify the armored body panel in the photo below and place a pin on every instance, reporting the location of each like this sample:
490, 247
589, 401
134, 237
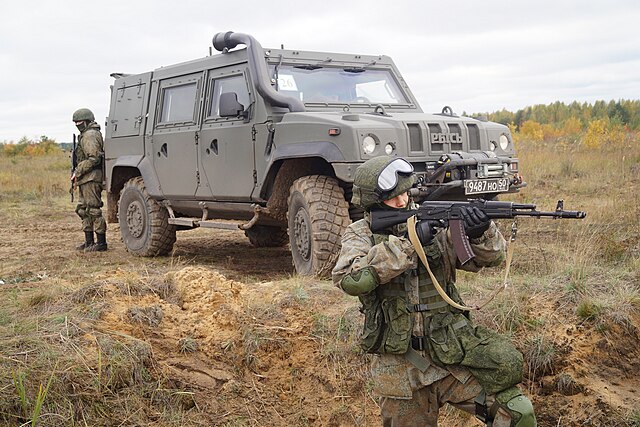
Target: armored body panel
271, 138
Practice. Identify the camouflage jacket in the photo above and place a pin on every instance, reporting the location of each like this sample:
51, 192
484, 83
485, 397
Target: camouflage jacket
90, 155
395, 262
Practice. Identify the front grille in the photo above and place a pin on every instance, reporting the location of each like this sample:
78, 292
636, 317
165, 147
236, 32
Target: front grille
415, 137
434, 129
456, 142
474, 137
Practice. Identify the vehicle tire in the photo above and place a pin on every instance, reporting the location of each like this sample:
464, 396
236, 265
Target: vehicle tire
266, 236
144, 223
317, 216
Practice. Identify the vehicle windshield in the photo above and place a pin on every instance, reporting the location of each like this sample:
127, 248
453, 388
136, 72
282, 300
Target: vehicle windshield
330, 85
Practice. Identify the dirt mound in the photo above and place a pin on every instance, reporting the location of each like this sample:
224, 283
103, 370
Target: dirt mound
248, 352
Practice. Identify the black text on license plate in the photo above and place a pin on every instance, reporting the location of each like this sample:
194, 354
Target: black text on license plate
478, 186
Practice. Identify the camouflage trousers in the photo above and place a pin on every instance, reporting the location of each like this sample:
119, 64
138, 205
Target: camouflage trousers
88, 208
423, 408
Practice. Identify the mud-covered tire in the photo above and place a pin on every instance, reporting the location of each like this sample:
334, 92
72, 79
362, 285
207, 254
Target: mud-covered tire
266, 236
144, 223
317, 217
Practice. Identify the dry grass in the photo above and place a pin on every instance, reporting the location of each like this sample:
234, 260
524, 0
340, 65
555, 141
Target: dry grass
24, 178
300, 336
594, 258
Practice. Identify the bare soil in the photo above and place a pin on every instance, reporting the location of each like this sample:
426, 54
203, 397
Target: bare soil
238, 339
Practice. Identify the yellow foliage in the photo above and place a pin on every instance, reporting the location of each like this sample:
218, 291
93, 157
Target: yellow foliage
596, 134
549, 132
532, 130
28, 148
571, 126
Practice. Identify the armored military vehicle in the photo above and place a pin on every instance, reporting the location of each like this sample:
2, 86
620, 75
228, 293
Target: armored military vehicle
270, 139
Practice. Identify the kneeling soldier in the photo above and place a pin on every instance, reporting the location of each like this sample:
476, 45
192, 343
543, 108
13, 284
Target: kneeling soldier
428, 352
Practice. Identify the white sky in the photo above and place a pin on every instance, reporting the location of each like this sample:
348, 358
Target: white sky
473, 55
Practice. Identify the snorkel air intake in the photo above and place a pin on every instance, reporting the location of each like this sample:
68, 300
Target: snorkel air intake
258, 66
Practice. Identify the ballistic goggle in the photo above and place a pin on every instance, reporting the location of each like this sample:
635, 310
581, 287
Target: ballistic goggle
388, 177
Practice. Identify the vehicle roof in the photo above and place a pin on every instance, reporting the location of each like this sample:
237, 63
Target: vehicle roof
238, 56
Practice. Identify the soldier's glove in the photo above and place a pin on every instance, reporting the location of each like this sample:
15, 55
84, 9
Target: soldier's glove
426, 230
476, 222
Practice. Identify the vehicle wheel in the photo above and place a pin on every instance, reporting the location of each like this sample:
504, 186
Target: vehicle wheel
266, 236
144, 223
318, 215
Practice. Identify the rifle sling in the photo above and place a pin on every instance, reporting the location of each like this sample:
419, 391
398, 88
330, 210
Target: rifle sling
413, 237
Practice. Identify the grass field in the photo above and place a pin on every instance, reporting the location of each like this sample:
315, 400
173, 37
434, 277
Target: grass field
223, 334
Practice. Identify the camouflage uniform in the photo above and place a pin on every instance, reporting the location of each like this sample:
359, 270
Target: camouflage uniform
89, 153
426, 352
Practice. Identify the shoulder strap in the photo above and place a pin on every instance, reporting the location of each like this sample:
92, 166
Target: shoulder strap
413, 237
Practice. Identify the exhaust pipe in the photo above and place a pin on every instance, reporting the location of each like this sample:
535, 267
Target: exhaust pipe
258, 66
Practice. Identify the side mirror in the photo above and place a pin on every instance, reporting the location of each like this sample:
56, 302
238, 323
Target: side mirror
230, 107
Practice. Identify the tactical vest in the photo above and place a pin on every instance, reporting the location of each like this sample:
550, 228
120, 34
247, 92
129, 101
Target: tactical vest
444, 332
389, 323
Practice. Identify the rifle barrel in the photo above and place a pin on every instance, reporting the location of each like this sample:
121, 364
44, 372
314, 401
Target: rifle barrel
556, 214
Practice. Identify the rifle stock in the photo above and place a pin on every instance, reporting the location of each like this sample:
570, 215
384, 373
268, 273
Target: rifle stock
74, 163
450, 211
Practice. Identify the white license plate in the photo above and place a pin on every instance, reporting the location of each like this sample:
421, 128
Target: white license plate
492, 185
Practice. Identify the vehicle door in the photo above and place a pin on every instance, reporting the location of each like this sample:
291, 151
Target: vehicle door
226, 143
175, 137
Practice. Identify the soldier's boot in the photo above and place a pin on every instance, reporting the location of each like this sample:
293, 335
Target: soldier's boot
88, 241
100, 245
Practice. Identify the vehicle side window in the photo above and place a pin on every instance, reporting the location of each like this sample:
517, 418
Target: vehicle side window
235, 84
178, 103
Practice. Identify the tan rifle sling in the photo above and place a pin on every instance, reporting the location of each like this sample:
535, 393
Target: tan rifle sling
413, 237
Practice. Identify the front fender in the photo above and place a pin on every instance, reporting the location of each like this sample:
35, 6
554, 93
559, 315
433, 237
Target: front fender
144, 166
310, 158
324, 149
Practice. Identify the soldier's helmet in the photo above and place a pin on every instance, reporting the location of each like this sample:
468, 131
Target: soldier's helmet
381, 178
83, 114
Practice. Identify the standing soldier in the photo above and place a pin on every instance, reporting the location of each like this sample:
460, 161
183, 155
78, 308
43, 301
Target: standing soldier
87, 176
427, 351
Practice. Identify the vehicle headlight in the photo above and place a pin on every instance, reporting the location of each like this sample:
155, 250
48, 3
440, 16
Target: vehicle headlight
388, 149
492, 145
504, 141
369, 144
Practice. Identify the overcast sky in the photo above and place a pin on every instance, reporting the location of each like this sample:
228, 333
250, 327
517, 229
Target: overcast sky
475, 56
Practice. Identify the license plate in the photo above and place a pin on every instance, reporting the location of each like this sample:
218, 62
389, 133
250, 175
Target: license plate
479, 186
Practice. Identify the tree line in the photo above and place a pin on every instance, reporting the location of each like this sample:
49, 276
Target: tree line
616, 114
30, 147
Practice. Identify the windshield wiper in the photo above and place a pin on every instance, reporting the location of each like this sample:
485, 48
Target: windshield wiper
308, 67
359, 69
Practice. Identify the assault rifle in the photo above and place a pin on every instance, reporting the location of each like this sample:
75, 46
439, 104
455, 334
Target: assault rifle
74, 164
450, 211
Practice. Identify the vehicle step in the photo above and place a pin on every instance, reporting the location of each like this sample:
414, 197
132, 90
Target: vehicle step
190, 222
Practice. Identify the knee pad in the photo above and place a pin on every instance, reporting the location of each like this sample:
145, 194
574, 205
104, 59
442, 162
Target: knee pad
81, 210
360, 282
94, 212
518, 406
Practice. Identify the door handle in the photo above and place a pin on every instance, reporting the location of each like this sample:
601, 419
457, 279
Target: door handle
213, 147
164, 150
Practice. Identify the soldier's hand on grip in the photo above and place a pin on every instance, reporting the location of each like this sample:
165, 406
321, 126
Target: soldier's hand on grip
476, 222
